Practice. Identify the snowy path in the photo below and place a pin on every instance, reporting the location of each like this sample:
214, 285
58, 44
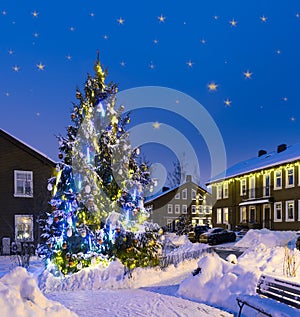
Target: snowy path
133, 303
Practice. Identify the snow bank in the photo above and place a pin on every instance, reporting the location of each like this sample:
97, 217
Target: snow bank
269, 238
219, 281
21, 297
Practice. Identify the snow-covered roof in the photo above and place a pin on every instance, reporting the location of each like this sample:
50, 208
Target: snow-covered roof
28, 146
268, 160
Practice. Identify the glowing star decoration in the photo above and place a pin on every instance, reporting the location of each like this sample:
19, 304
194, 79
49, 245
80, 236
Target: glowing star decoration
190, 63
123, 64
278, 52
155, 41
212, 86
40, 66
293, 119
161, 18
203, 41
263, 19
72, 28
233, 22
16, 68
35, 14
285, 99
227, 102
36, 34
297, 15
156, 125
92, 14
106, 37
10, 52
248, 74
3, 12
68, 57
121, 21
216, 17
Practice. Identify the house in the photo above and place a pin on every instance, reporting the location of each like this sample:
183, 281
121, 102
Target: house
262, 192
24, 172
187, 199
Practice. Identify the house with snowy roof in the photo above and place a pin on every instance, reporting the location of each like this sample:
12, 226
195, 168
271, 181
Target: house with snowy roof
24, 173
262, 192
187, 199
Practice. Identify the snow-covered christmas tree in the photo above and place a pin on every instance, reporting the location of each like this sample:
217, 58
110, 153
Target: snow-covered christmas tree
97, 189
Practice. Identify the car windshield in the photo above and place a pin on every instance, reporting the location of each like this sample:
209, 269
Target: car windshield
215, 230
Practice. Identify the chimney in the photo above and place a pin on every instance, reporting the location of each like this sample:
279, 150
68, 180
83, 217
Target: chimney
261, 153
281, 148
188, 178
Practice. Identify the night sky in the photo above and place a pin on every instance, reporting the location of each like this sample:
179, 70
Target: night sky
240, 60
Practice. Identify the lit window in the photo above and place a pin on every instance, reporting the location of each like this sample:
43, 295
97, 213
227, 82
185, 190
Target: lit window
278, 179
177, 209
23, 184
170, 208
225, 190
219, 215
243, 184
208, 209
184, 194
24, 227
290, 177
278, 212
289, 211
219, 191
225, 215
266, 185
200, 209
252, 187
243, 214
184, 209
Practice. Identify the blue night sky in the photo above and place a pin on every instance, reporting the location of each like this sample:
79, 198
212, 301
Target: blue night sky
239, 59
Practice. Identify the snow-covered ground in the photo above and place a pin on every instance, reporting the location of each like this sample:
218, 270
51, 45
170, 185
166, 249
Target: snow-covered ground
172, 291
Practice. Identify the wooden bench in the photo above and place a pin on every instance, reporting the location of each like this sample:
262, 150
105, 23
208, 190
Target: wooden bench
274, 295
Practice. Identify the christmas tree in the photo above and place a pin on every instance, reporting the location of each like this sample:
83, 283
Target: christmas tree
97, 189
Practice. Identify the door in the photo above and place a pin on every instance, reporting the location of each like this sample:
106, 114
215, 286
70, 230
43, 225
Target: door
267, 217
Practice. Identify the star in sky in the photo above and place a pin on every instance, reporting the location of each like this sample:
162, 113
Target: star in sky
297, 15
68, 57
190, 63
233, 22
161, 18
4, 12
36, 34
248, 74
155, 41
203, 41
16, 68
92, 14
35, 14
216, 17
105, 36
40, 66
227, 102
10, 51
72, 29
285, 98
212, 86
293, 119
263, 18
123, 64
151, 65
278, 52
156, 125
121, 21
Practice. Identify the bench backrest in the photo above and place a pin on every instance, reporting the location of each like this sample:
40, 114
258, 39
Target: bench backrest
287, 292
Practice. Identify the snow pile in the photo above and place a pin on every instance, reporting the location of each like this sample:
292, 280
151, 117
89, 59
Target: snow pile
267, 237
21, 297
177, 240
219, 282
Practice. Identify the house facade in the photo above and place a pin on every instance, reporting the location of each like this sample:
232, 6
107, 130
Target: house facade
24, 173
187, 199
262, 192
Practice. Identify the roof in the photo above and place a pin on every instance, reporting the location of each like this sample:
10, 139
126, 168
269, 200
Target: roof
27, 147
160, 194
268, 160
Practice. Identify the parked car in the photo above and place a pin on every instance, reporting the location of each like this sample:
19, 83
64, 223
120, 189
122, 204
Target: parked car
194, 234
217, 236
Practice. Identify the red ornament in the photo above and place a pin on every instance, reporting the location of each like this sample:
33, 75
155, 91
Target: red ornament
60, 156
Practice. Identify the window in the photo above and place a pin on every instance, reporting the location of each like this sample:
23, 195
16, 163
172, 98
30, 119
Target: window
169, 223
24, 227
219, 191
177, 196
267, 185
289, 181
23, 184
200, 209
243, 184
289, 211
193, 193
225, 215
184, 209
278, 212
177, 209
208, 209
252, 187
170, 208
243, 214
219, 215
184, 194
252, 217
193, 209
225, 190
278, 179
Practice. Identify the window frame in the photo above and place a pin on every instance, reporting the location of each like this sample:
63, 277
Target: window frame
287, 211
24, 195
17, 223
193, 209
243, 209
225, 190
276, 219
265, 176
193, 194
252, 182
177, 209
279, 170
226, 215
243, 187
219, 189
184, 194
219, 216
287, 185
184, 209
170, 208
